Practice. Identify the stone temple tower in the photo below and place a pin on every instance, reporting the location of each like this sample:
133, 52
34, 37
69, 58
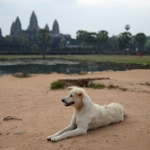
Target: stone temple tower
55, 29
47, 27
33, 22
16, 28
12, 30
0, 33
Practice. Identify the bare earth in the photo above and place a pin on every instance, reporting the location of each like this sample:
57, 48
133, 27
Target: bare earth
43, 113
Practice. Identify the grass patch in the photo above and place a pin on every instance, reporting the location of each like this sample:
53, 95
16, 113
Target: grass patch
129, 59
111, 86
143, 84
25, 74
96, 86
57, 85
123, 89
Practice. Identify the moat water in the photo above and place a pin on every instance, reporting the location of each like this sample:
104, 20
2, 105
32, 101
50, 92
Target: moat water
47, 68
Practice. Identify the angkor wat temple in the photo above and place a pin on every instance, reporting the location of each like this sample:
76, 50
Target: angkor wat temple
33, 28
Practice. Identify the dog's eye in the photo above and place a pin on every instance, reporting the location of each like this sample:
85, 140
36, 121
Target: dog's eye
71, 95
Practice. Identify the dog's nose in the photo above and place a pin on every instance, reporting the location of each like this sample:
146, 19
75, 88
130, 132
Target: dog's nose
63, 100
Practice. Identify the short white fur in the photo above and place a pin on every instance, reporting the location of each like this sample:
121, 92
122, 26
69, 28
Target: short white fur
87, 115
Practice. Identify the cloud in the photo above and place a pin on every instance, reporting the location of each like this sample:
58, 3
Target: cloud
114, 3
72, 15
24, 3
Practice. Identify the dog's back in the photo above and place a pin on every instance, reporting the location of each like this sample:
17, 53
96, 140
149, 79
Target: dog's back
105, 115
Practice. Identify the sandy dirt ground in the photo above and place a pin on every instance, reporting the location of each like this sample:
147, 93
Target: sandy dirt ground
43, 113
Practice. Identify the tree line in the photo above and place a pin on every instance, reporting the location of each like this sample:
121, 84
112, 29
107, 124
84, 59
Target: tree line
99, 41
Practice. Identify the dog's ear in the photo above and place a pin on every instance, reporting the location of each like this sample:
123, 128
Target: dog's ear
70, 87
80, 94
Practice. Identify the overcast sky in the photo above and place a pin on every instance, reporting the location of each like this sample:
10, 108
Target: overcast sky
73, 15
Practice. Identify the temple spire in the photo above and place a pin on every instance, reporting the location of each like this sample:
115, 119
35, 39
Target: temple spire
55, 29
33, 22
17, 23
47, 27
0, 33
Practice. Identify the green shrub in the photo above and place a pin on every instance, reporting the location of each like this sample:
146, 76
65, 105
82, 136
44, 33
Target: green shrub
25, 74
57, 85
96, 86
123, 89
111, 86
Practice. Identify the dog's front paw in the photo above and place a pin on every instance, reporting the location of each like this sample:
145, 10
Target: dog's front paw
49, 138
54, 139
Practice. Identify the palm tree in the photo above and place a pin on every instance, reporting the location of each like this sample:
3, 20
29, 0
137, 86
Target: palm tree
140, 39
34, 48
8, 39
91, 37
127, 27
45, 38
23, 41
82, 36
102, 37
114, 43
124, 39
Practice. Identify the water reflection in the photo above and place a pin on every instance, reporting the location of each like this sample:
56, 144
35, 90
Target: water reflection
59, 68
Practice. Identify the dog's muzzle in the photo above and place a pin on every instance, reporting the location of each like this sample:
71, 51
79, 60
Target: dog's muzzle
66, 103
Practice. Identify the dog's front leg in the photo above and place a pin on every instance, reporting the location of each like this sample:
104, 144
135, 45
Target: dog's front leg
70, 127
76, 132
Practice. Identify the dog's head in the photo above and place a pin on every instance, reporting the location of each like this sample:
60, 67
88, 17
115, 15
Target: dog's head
74, 98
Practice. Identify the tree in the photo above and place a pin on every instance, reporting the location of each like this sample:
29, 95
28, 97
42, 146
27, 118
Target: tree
114, 42
34, 48
23, 41
124, 39
82, 36
91, 37
147, 45
8, 40
140, 39
102, 37
127, 27
45, 38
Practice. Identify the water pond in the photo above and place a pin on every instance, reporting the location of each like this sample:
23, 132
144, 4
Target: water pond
39, 67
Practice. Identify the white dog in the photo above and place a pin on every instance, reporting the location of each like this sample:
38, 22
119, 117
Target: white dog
87, 115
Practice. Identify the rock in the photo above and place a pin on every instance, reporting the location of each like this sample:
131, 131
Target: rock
20, 132
147, 83
11, 118
21, 75
116, 134
83, 73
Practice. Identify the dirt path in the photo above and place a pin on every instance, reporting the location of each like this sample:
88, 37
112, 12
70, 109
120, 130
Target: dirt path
43, 113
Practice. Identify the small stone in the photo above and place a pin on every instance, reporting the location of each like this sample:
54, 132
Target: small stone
19, 132
116, 134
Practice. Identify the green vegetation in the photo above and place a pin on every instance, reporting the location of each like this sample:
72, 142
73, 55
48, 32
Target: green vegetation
111, 86
45, 38
143, 84
25, 74
123, 89
57, 85
96, 86
98, 58
108, 58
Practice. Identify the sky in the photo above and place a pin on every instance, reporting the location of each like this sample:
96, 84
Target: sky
74, 15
